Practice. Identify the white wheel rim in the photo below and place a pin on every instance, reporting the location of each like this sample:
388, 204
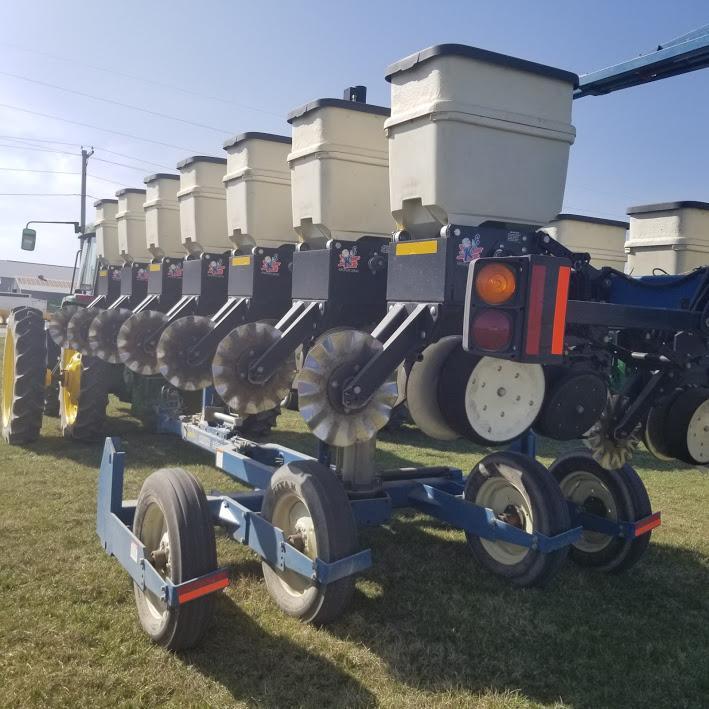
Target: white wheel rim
698, 433
503, 398
589, 492
154, 536
499, 493
292, 517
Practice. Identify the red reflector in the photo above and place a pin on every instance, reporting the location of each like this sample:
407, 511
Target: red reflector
536, 305
562, 299
643, 526
492, 330
202, 586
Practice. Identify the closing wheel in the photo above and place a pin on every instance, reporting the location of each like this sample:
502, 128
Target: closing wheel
103, 334
133, 348
174, 348
77, 333
230, 370
330, 364
59, 323
499, 400
83, 395
23, 376
617, 495
172, 520
655, 432
522, 492
688, 436
574, 402
422, 390
612, 453
307, 502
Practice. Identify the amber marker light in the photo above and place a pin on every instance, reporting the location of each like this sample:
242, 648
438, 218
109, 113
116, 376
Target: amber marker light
496, 283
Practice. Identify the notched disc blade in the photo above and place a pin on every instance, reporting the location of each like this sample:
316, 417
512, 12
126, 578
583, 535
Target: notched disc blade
59, 323
133, 348
103, 334
176, 344
334, 359
230, 369
77, 332
422, 389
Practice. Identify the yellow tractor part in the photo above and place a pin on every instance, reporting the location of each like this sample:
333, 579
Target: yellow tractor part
71, 368
8, 378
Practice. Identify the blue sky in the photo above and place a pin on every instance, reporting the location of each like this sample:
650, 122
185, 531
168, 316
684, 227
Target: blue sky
237, 66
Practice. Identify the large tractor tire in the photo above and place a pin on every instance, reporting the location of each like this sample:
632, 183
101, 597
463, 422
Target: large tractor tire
23, 376
83, 395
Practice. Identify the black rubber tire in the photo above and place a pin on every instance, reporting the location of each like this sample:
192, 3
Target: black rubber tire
550, 516
51, 392
93, 399
336, 534
399, 417
655, 429
259, 425
680, 414
631, 500
193, 553
452, 380
22, 421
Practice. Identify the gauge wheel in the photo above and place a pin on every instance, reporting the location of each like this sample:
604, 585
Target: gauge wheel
308, 503
520, 491
617, 495
172, 520
83, 395
688, 436
23, 376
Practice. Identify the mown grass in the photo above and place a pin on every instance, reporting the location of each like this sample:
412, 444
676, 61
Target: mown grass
427, 627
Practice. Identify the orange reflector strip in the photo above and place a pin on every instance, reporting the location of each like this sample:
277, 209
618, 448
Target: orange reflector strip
562, 299
643, 526
203, 586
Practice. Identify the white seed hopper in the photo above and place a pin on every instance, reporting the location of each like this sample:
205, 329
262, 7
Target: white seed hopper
604, 239
162, 215
671, 236
130, 219
107, 250
258, 196
339, 175
202, 200
476, 136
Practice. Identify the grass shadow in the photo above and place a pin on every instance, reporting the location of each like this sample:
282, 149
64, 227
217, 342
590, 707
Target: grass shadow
440, 622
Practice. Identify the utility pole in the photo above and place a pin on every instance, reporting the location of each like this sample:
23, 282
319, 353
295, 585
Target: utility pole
85, 155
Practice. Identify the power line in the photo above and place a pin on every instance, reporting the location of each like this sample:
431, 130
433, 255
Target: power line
105, 130
27, 169
40, 150
135, 77
132, 167
114, 102
38, 140
44, 194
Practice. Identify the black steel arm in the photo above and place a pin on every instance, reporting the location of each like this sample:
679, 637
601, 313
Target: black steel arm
614, 315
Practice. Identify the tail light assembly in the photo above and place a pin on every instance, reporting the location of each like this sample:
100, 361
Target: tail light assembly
515, 307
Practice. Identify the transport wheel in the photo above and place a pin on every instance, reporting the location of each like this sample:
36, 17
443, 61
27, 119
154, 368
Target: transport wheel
102, 337
490, 401
655, 431
133, 350
77, 333
172, 520
230, 367
522, 492
83, 395
618, 495
173, 348
59, 323
307, 502
51, 388
688, 436
422, 389
330, 364
23, 376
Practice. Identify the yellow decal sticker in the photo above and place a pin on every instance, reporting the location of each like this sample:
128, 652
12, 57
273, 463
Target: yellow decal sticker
241, 261
154, 266
103, 273
411, 248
